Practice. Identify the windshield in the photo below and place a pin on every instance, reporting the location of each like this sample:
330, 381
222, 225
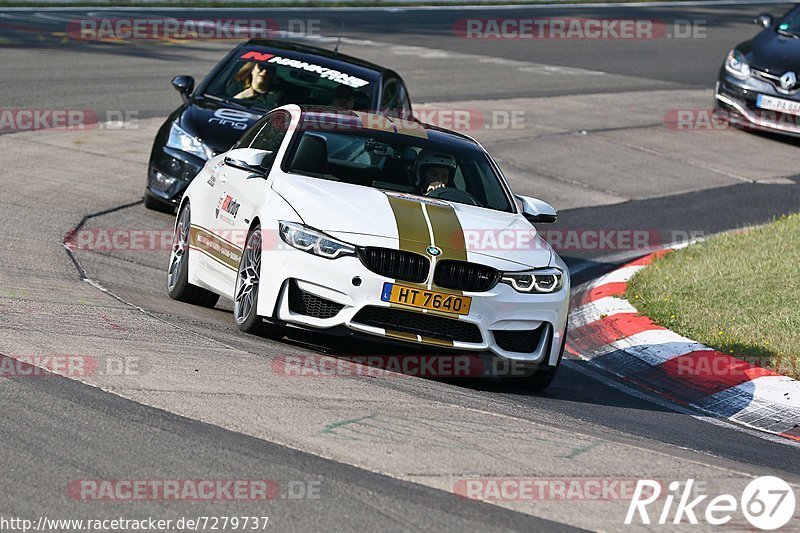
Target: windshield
790, 24
263, 80
400, 163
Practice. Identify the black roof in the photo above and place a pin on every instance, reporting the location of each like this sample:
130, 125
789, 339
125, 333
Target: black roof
434, 132
439, 129
317, 51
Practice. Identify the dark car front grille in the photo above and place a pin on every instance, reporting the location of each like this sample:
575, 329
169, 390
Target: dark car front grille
305, 303
421, 324
520, 341
397, 264
775, 80
463, 276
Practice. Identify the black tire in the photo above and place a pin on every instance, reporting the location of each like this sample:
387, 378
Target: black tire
178, 285
245, 296
151, 202
539, 379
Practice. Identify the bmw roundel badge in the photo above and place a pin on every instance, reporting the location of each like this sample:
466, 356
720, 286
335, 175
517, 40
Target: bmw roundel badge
433, 250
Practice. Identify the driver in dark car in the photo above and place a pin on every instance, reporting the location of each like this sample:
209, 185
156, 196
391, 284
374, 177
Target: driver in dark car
257, 81
344, 97
434, 170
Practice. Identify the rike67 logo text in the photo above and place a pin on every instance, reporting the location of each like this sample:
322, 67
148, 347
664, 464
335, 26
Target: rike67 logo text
768, 503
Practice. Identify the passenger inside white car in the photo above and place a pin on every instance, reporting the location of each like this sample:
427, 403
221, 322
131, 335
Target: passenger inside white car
399, 163
434, 171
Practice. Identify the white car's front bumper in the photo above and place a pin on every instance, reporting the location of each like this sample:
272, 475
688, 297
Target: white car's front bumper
499, 319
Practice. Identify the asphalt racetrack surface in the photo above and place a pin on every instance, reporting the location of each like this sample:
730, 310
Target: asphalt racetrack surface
202, 401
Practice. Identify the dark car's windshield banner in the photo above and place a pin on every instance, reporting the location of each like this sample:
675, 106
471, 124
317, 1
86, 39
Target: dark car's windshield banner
324, 72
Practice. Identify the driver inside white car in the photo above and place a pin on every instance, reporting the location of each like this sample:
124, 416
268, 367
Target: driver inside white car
434, 171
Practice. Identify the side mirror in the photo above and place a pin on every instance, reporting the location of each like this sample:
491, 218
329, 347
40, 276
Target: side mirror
251, 160
184, 85
764, 20
537, 211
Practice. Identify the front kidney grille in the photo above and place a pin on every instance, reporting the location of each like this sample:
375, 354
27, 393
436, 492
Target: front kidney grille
397, 264
463, 276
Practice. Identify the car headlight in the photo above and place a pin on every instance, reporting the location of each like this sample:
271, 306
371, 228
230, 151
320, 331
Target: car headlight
539, 281
737, 64
161, 182
313, 241
182, 140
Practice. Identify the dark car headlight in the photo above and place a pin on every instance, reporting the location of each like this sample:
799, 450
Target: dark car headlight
313, 241
160, 181
181, 139
537, 281
736, 64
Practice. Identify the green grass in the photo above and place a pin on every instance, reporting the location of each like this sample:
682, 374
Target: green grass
738, 293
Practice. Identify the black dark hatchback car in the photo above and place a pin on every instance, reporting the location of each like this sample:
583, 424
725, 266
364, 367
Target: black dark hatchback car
759, 82
251, 80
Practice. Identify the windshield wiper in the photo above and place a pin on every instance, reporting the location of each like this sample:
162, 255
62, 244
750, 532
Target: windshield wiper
234, 102
257, 107
787, 33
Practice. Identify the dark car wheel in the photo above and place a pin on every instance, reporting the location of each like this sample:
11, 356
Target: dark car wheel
245, 297
178, 285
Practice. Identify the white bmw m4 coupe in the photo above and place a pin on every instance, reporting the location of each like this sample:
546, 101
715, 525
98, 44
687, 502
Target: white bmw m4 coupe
323, 218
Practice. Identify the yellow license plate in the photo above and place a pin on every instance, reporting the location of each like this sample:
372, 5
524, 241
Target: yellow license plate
425, 299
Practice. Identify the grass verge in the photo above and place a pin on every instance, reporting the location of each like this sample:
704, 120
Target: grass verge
738, 293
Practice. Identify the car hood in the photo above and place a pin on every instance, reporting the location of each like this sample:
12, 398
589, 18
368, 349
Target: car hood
369, 216
773, 52
216, 124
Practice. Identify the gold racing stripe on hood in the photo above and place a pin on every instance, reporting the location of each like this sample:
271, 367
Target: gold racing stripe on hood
447, 232
448, 236
412, 229
420, 225
417, 223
